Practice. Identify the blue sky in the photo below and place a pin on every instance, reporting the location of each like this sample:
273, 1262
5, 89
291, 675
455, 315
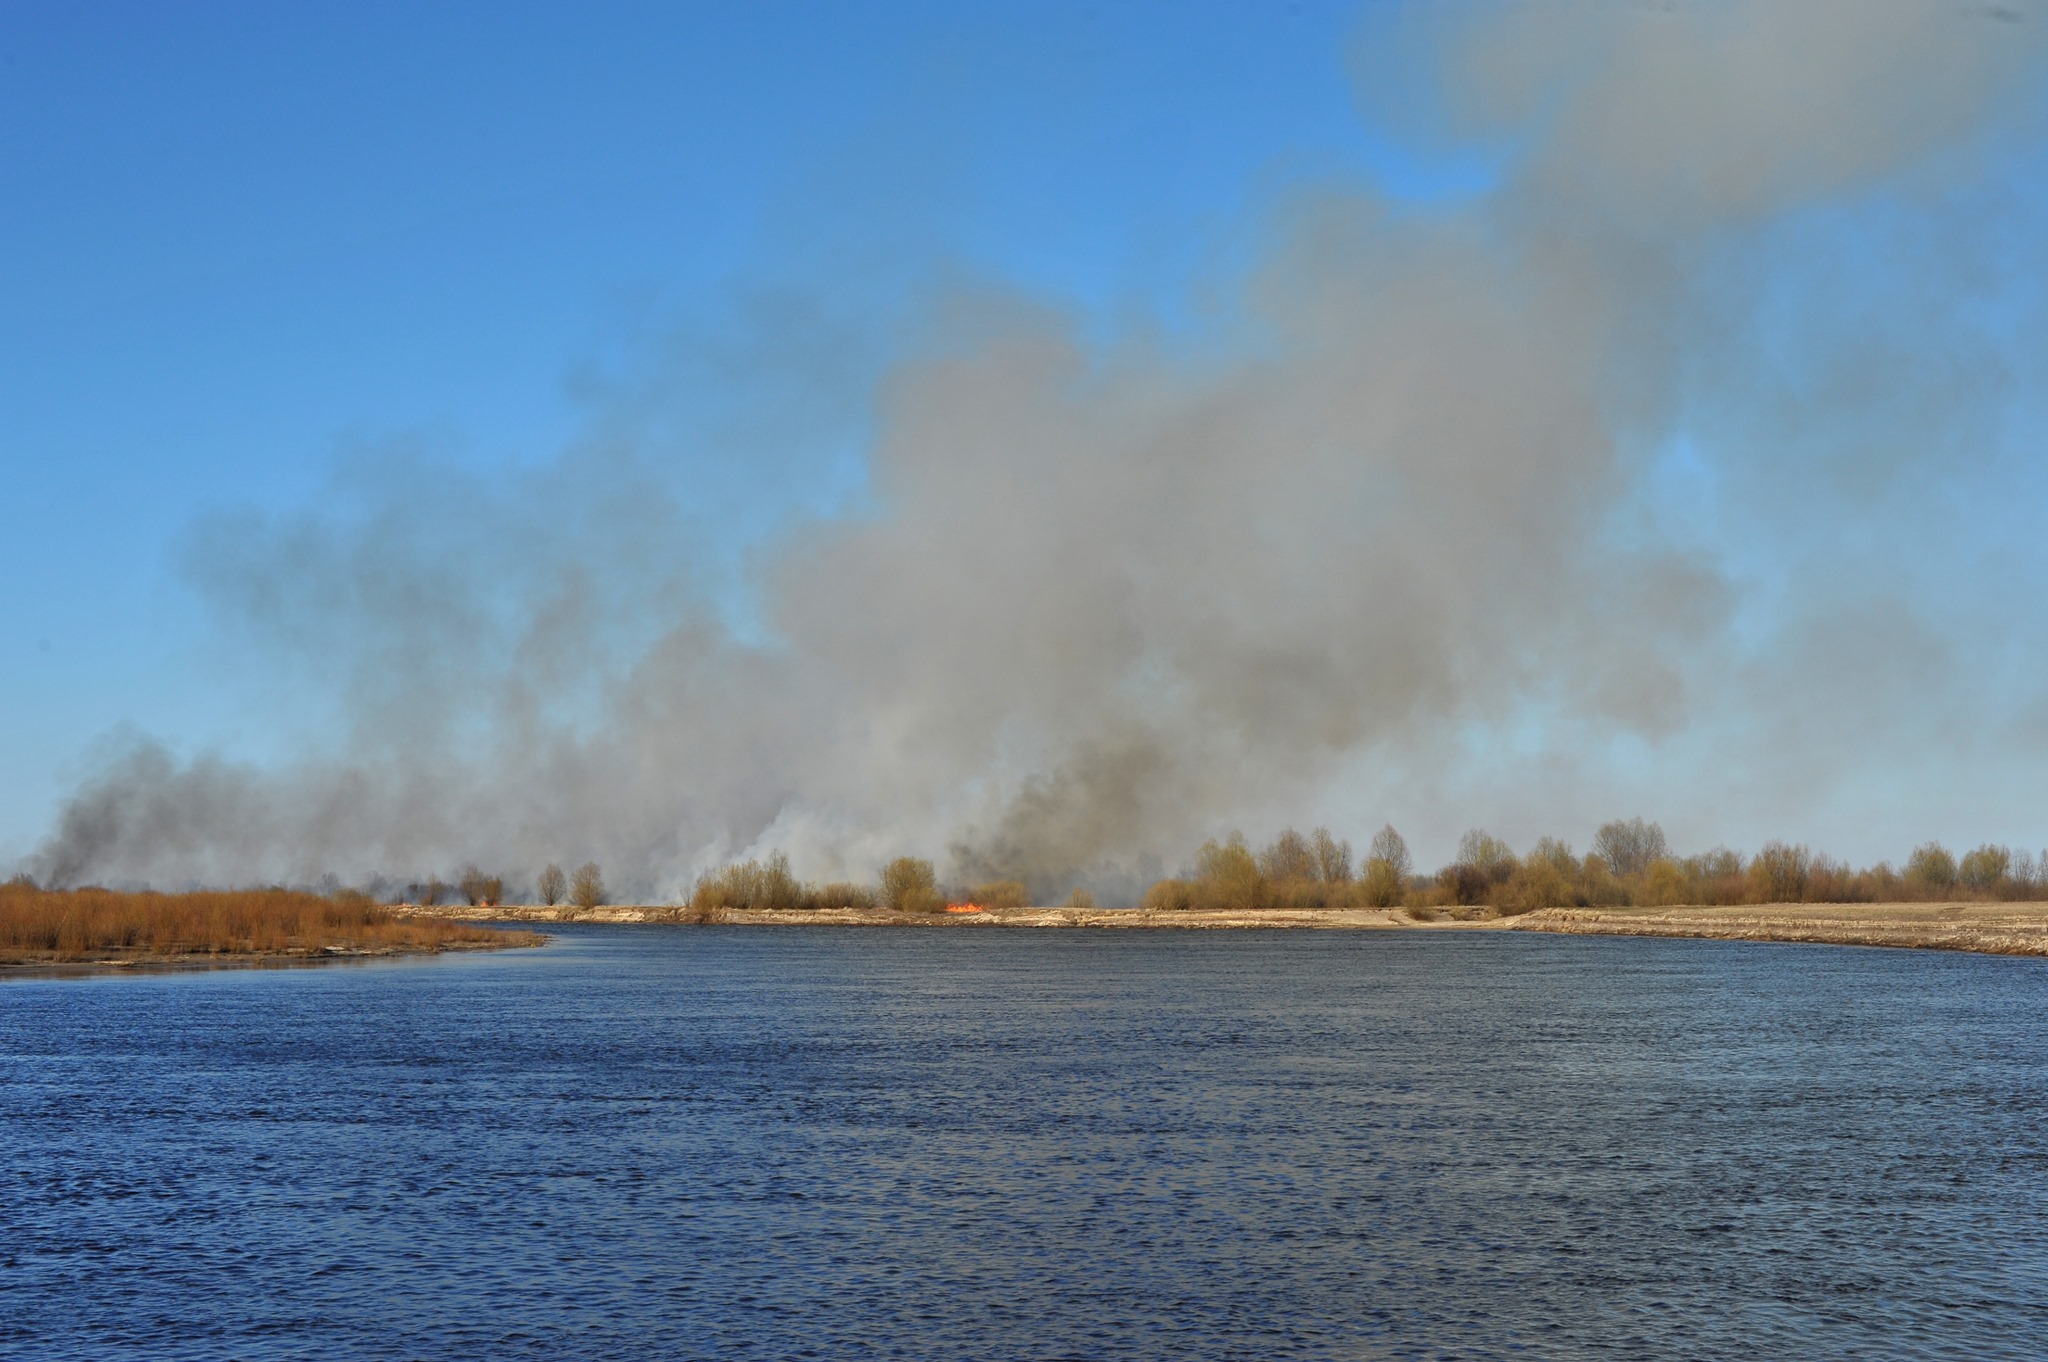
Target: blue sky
244, 245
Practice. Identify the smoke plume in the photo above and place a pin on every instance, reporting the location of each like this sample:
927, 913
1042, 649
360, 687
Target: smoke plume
1579, 489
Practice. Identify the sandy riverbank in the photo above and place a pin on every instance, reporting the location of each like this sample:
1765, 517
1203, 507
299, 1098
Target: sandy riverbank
1986, 928
46, 963
991, 917
1992, 928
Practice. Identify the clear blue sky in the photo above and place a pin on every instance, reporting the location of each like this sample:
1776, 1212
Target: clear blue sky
238, 241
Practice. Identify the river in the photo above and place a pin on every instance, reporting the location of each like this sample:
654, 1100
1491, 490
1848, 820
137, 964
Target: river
647, 1142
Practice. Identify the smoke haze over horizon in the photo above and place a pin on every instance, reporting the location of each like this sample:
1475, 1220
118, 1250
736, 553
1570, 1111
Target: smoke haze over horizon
1689, 465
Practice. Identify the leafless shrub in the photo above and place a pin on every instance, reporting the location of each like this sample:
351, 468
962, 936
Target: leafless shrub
1831, 881
1931, 871
1779, 873
1383, 886
1001, 894
1227, 876
481, 890
1170, 896
1985, 870
586, 887
1463, 884
1717, 877
1539, 882
910, 886
754, 885
1665, 884
843, 896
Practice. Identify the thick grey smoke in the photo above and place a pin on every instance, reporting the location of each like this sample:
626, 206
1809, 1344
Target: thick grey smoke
1098, 602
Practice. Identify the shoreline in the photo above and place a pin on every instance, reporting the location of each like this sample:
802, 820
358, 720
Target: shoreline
51, 965
1977, 928
1994, 928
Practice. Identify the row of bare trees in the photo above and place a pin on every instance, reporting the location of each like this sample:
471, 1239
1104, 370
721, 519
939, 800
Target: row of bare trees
1631, 863
584, 888
907, 884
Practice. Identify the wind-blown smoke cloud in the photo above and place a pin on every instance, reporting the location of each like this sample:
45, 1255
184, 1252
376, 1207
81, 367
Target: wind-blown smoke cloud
1434, 508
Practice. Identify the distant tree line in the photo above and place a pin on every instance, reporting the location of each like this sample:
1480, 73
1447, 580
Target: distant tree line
1630, 863
585, 888
907, 884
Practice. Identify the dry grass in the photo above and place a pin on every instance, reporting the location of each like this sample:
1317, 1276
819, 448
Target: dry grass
56, 926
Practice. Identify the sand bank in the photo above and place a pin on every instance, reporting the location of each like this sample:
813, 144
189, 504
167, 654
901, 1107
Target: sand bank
47, 963
1991, 928
1987, 928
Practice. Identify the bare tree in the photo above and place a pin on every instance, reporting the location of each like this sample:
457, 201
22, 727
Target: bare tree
481, 890
1986, 869
1390, 850
1386, 868
1289, 858
553, 886
1630, 847
429, 893
1931, 869
586, 886
1333, 857
1485, 853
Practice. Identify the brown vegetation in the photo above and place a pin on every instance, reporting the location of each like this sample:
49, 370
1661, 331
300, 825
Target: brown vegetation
1631, 865
45, 926
910, 886
553, 885
481, 890
768, 885
1992, 927
907, 884
586, 886
1000, 894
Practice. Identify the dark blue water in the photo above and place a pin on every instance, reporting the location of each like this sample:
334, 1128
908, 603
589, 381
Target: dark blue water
726, 1142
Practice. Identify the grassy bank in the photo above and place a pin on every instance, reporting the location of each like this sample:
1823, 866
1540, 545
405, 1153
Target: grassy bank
103, 926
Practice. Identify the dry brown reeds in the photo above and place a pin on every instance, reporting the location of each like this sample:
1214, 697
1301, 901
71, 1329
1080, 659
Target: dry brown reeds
54, 926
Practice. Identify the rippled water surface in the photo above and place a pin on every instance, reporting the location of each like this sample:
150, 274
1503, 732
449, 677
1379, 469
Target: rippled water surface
722, 1142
